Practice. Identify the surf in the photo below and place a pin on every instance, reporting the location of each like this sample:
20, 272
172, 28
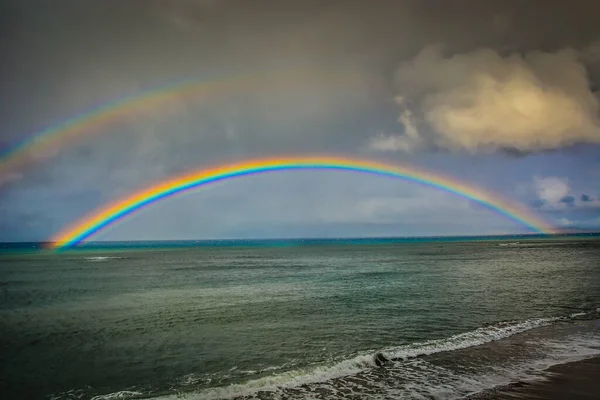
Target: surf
363, 369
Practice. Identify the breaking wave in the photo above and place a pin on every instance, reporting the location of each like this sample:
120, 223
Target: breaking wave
405, 360
101, 258
124, 394
407, 371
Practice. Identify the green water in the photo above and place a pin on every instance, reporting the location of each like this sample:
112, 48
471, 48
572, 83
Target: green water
286, 319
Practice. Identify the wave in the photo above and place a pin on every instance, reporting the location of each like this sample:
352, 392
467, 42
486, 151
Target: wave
76, 394
101, 258
468, 339
363, 363
124, 394
407, 373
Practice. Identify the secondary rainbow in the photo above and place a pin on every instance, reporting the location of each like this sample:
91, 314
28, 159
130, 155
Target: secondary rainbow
92, 224
50, 140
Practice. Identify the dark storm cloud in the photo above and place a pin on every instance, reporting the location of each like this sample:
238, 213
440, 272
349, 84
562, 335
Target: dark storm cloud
569, 200
69, 56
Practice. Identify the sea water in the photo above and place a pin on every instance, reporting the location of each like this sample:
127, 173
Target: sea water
295, 319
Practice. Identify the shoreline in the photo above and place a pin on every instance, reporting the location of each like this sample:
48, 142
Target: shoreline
578, 380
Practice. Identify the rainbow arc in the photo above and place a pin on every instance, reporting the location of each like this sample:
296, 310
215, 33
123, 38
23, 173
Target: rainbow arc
98, 221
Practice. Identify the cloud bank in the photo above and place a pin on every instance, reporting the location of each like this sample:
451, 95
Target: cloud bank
485, 101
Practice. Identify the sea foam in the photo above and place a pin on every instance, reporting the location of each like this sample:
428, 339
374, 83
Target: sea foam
101, 258
365, 361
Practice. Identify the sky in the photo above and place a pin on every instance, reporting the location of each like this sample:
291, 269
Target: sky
500, 95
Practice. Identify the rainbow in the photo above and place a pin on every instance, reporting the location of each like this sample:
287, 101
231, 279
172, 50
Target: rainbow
105, 217
49, 141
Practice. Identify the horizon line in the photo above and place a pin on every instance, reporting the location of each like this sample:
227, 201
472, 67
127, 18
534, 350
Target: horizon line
460, 236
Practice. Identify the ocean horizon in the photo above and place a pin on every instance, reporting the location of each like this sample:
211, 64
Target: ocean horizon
9, 245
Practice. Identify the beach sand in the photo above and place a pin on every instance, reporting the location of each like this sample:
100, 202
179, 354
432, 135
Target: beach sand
575, 381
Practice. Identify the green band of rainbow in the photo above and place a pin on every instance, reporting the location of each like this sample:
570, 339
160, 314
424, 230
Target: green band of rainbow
96, 222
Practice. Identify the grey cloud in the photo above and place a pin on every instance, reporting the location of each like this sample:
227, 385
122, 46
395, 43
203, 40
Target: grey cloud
570, 200
585, 198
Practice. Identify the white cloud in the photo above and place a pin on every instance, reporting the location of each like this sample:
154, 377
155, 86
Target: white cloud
551, 189
485, 101
565, 222
409, 141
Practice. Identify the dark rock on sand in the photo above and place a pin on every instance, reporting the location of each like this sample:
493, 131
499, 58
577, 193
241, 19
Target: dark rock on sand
380, 359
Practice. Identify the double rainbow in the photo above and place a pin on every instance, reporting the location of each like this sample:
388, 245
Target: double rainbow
50, 140
90, 225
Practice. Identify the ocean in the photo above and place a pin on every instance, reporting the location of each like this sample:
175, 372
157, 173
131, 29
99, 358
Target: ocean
386, 319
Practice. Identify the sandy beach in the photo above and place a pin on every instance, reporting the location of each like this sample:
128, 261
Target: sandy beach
575, 381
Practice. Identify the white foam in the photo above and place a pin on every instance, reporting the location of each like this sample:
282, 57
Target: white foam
123, 394
420, 379
578, 314
100, 258
467, 339
284, 380
364, 362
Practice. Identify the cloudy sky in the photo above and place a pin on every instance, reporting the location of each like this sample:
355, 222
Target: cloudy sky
503, 95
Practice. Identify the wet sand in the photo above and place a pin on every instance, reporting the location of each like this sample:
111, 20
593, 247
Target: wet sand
575, 381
